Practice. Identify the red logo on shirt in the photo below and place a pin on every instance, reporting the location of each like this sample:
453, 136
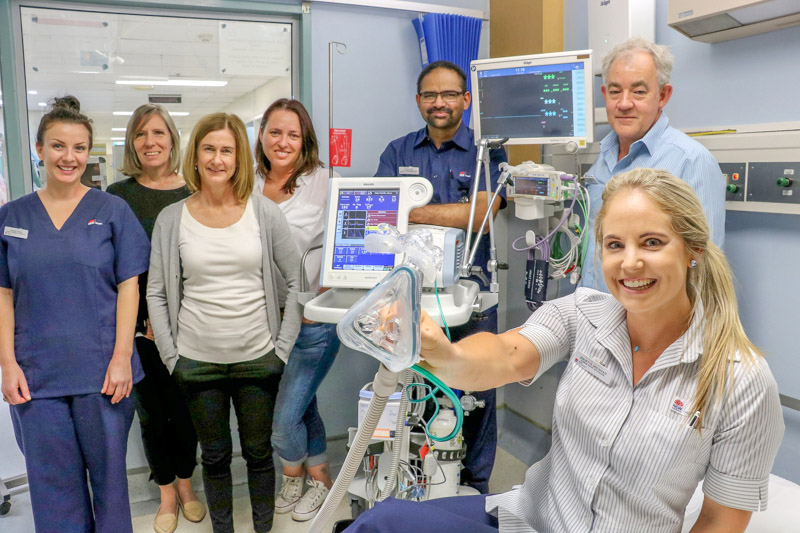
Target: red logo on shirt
94, 222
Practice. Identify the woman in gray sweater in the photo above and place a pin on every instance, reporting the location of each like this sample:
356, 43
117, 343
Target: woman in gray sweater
213, 303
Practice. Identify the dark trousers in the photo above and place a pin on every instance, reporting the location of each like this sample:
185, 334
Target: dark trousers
251, 386
64, 437
480, 426
170, 442
461, 514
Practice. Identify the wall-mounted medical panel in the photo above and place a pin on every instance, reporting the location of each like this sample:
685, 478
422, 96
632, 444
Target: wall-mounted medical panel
773, 182
760, 163
734, 174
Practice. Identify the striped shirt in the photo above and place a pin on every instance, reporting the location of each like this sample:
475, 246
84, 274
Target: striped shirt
624, 459
662, 147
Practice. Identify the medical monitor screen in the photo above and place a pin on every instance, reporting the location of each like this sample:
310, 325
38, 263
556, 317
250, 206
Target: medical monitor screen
534, 99
524, 186
359, 211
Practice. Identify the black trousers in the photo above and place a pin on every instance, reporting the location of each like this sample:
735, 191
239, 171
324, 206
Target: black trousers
251, 386
170, 442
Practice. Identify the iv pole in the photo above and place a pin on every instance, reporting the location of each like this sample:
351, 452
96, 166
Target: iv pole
342, 49
467, 269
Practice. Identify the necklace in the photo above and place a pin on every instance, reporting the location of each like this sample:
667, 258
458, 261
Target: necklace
677, 332
637, 350
661, 348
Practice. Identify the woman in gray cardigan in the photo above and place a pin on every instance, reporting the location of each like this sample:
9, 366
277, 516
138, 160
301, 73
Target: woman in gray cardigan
213, 302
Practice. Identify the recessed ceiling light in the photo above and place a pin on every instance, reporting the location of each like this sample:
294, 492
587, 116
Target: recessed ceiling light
119, 143
119, 129
173, 113
176, 83
42, 104
33, 92
117, 138
69, 22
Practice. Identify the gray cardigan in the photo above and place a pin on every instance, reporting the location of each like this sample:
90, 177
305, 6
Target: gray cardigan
165, 282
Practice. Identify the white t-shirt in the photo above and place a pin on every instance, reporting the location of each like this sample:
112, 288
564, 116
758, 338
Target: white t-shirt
223, 316
305, 213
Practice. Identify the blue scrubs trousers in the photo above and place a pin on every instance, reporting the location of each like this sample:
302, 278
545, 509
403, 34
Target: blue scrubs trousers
460, 514
480, 426
63, 437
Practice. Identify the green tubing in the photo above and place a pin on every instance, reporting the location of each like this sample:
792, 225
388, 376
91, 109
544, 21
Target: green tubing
447, 392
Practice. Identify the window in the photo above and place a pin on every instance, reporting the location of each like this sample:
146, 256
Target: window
115, 62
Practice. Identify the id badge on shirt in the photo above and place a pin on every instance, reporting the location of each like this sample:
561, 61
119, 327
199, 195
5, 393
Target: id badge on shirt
593, 366
19, 233
408, 171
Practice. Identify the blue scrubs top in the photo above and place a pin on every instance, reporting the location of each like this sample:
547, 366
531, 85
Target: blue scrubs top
449, 168
65, 288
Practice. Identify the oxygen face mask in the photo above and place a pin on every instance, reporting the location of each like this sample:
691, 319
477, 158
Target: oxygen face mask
385, 323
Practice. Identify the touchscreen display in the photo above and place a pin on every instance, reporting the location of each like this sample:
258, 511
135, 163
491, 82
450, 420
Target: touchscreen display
359, 211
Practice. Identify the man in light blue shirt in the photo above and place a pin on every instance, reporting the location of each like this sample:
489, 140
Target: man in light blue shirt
636, 88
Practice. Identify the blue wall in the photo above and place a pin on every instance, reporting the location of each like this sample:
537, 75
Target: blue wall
744, 81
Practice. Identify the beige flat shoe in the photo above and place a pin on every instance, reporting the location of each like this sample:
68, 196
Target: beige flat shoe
193, 511
165, 523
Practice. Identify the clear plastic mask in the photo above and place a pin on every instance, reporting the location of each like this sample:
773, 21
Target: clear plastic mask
385, 322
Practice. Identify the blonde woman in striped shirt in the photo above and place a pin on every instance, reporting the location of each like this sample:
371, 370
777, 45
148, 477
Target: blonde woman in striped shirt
662, 388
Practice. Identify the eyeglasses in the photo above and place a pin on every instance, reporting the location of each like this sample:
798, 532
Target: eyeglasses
449, 97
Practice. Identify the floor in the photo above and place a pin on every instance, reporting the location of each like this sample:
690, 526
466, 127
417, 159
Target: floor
508, 471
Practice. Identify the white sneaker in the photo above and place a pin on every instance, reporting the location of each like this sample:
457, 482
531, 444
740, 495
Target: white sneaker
290, 494
312, 500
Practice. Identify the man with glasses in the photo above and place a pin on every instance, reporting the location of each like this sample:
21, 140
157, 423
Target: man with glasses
444, 152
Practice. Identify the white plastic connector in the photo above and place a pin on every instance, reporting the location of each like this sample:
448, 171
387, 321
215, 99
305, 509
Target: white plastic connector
430, 465
575, 276
573, 221
530, 238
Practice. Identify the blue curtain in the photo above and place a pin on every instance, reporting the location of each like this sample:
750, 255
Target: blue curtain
450, 37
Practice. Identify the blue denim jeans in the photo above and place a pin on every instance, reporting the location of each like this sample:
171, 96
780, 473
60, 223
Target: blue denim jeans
298, 434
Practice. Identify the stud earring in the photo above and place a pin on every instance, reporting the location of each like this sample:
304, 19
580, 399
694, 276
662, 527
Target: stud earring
693, 263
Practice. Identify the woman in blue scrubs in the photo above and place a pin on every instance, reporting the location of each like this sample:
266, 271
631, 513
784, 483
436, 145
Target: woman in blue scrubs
70, 257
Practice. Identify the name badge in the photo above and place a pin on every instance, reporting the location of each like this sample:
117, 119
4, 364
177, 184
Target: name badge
19, 233
679, 406
593, 366
409, 171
